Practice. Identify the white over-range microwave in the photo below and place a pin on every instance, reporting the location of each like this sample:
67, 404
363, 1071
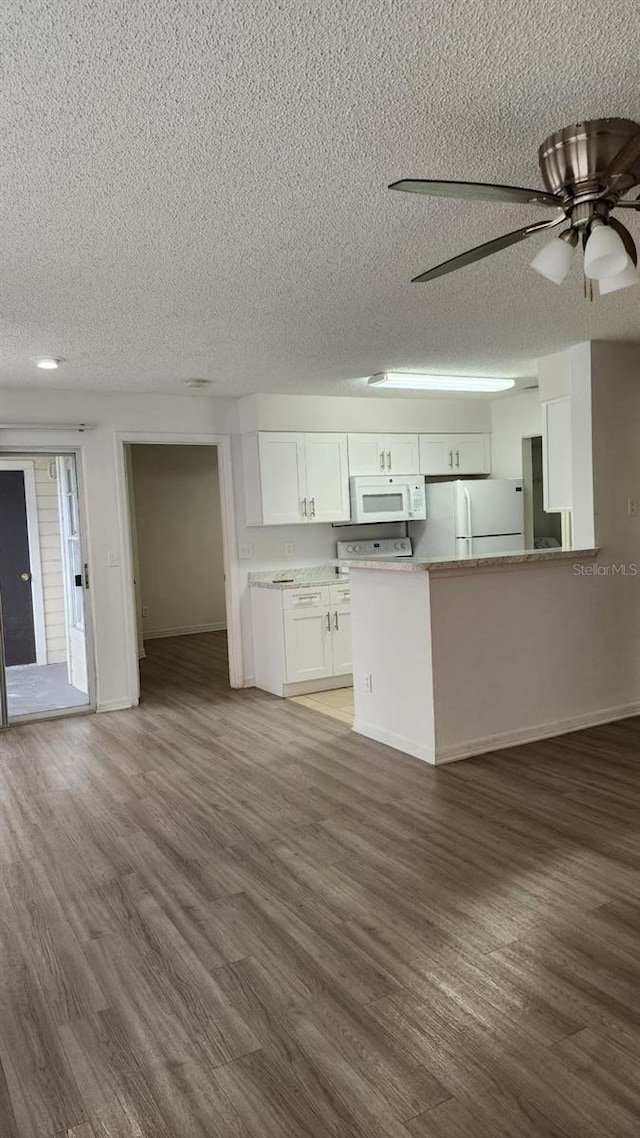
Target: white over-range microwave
388, 498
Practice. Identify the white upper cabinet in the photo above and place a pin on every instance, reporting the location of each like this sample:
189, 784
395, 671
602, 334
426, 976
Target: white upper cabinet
455, 455
282, 478
556, 455
393, 454
327, 478
292, 478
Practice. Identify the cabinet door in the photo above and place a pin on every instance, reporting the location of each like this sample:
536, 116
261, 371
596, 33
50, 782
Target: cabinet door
282, 478
367, 454
307, 644
341, 640
327, 478
436, 454
401, 454
557, 483
471, 454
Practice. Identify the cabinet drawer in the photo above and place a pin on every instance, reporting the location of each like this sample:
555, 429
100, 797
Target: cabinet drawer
312, 597
340, 594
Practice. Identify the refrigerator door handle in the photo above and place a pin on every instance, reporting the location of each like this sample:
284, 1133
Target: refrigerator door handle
467, 500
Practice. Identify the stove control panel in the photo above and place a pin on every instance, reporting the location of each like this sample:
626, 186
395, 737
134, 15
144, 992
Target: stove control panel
369, 550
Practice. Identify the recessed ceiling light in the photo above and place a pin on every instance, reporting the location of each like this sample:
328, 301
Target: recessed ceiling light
420, 381
49, 363
197, 382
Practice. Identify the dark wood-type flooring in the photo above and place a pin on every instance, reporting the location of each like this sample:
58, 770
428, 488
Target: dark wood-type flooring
223, 915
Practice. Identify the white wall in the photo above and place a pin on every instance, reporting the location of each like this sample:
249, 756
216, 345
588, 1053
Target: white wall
321, 413
179, 531
391, 641
135, 553
513, 419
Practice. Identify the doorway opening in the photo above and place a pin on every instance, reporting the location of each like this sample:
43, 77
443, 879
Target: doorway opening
543, 530
177, 554
44, 661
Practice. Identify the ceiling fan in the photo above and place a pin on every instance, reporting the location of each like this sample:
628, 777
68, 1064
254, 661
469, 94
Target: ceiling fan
586, 170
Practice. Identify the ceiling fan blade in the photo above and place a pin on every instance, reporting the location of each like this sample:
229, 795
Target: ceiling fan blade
475, 191
634, 204
626, 157
486, 250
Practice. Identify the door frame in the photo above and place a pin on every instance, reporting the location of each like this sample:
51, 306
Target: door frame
46, 450
229, 546
33, 538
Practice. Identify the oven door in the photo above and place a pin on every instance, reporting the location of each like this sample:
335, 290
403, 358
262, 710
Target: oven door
381, 502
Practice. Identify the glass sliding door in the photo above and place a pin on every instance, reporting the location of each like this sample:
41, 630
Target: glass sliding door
43, 654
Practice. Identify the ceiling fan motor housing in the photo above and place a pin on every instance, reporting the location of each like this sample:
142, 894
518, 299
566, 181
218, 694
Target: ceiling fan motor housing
576, 165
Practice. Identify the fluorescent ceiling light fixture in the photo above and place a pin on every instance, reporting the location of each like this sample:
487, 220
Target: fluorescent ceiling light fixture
419, 381
49, 363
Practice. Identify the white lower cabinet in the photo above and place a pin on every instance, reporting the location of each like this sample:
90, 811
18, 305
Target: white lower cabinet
302, 638
307, 645
341, 641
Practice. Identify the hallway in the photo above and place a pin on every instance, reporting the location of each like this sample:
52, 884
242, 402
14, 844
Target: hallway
223, 915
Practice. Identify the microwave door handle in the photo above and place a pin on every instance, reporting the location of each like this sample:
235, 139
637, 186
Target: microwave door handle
467, 499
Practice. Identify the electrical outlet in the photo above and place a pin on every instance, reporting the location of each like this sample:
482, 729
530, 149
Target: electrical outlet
289, 548
145, 610
245, 552
632, 507
368, 682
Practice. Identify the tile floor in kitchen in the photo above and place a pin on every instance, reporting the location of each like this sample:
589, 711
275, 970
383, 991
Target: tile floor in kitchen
337, 703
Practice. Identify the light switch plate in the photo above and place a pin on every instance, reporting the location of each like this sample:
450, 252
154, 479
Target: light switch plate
289, 548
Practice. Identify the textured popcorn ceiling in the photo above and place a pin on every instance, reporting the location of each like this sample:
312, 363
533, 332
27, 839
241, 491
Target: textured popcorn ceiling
197, 188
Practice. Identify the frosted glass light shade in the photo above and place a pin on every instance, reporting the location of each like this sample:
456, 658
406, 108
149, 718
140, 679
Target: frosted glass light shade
554, 260
628, 277
605, 255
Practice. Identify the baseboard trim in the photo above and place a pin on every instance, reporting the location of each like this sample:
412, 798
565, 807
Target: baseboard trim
308, 687
393, 739
190, 630
534, 734
114, 705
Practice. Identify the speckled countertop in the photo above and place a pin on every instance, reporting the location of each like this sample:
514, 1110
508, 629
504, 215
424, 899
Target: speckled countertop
317, 575
494, 561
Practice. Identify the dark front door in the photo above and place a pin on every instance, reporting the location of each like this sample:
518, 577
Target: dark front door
15, 571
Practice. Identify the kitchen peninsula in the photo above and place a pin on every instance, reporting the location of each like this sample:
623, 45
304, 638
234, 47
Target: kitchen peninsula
457, 658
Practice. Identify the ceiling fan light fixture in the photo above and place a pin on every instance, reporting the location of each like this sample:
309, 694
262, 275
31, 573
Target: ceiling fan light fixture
628, 277
604, 253
422, 381
554, 259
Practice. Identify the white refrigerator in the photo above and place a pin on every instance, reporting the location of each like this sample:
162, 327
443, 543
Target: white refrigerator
471, 517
